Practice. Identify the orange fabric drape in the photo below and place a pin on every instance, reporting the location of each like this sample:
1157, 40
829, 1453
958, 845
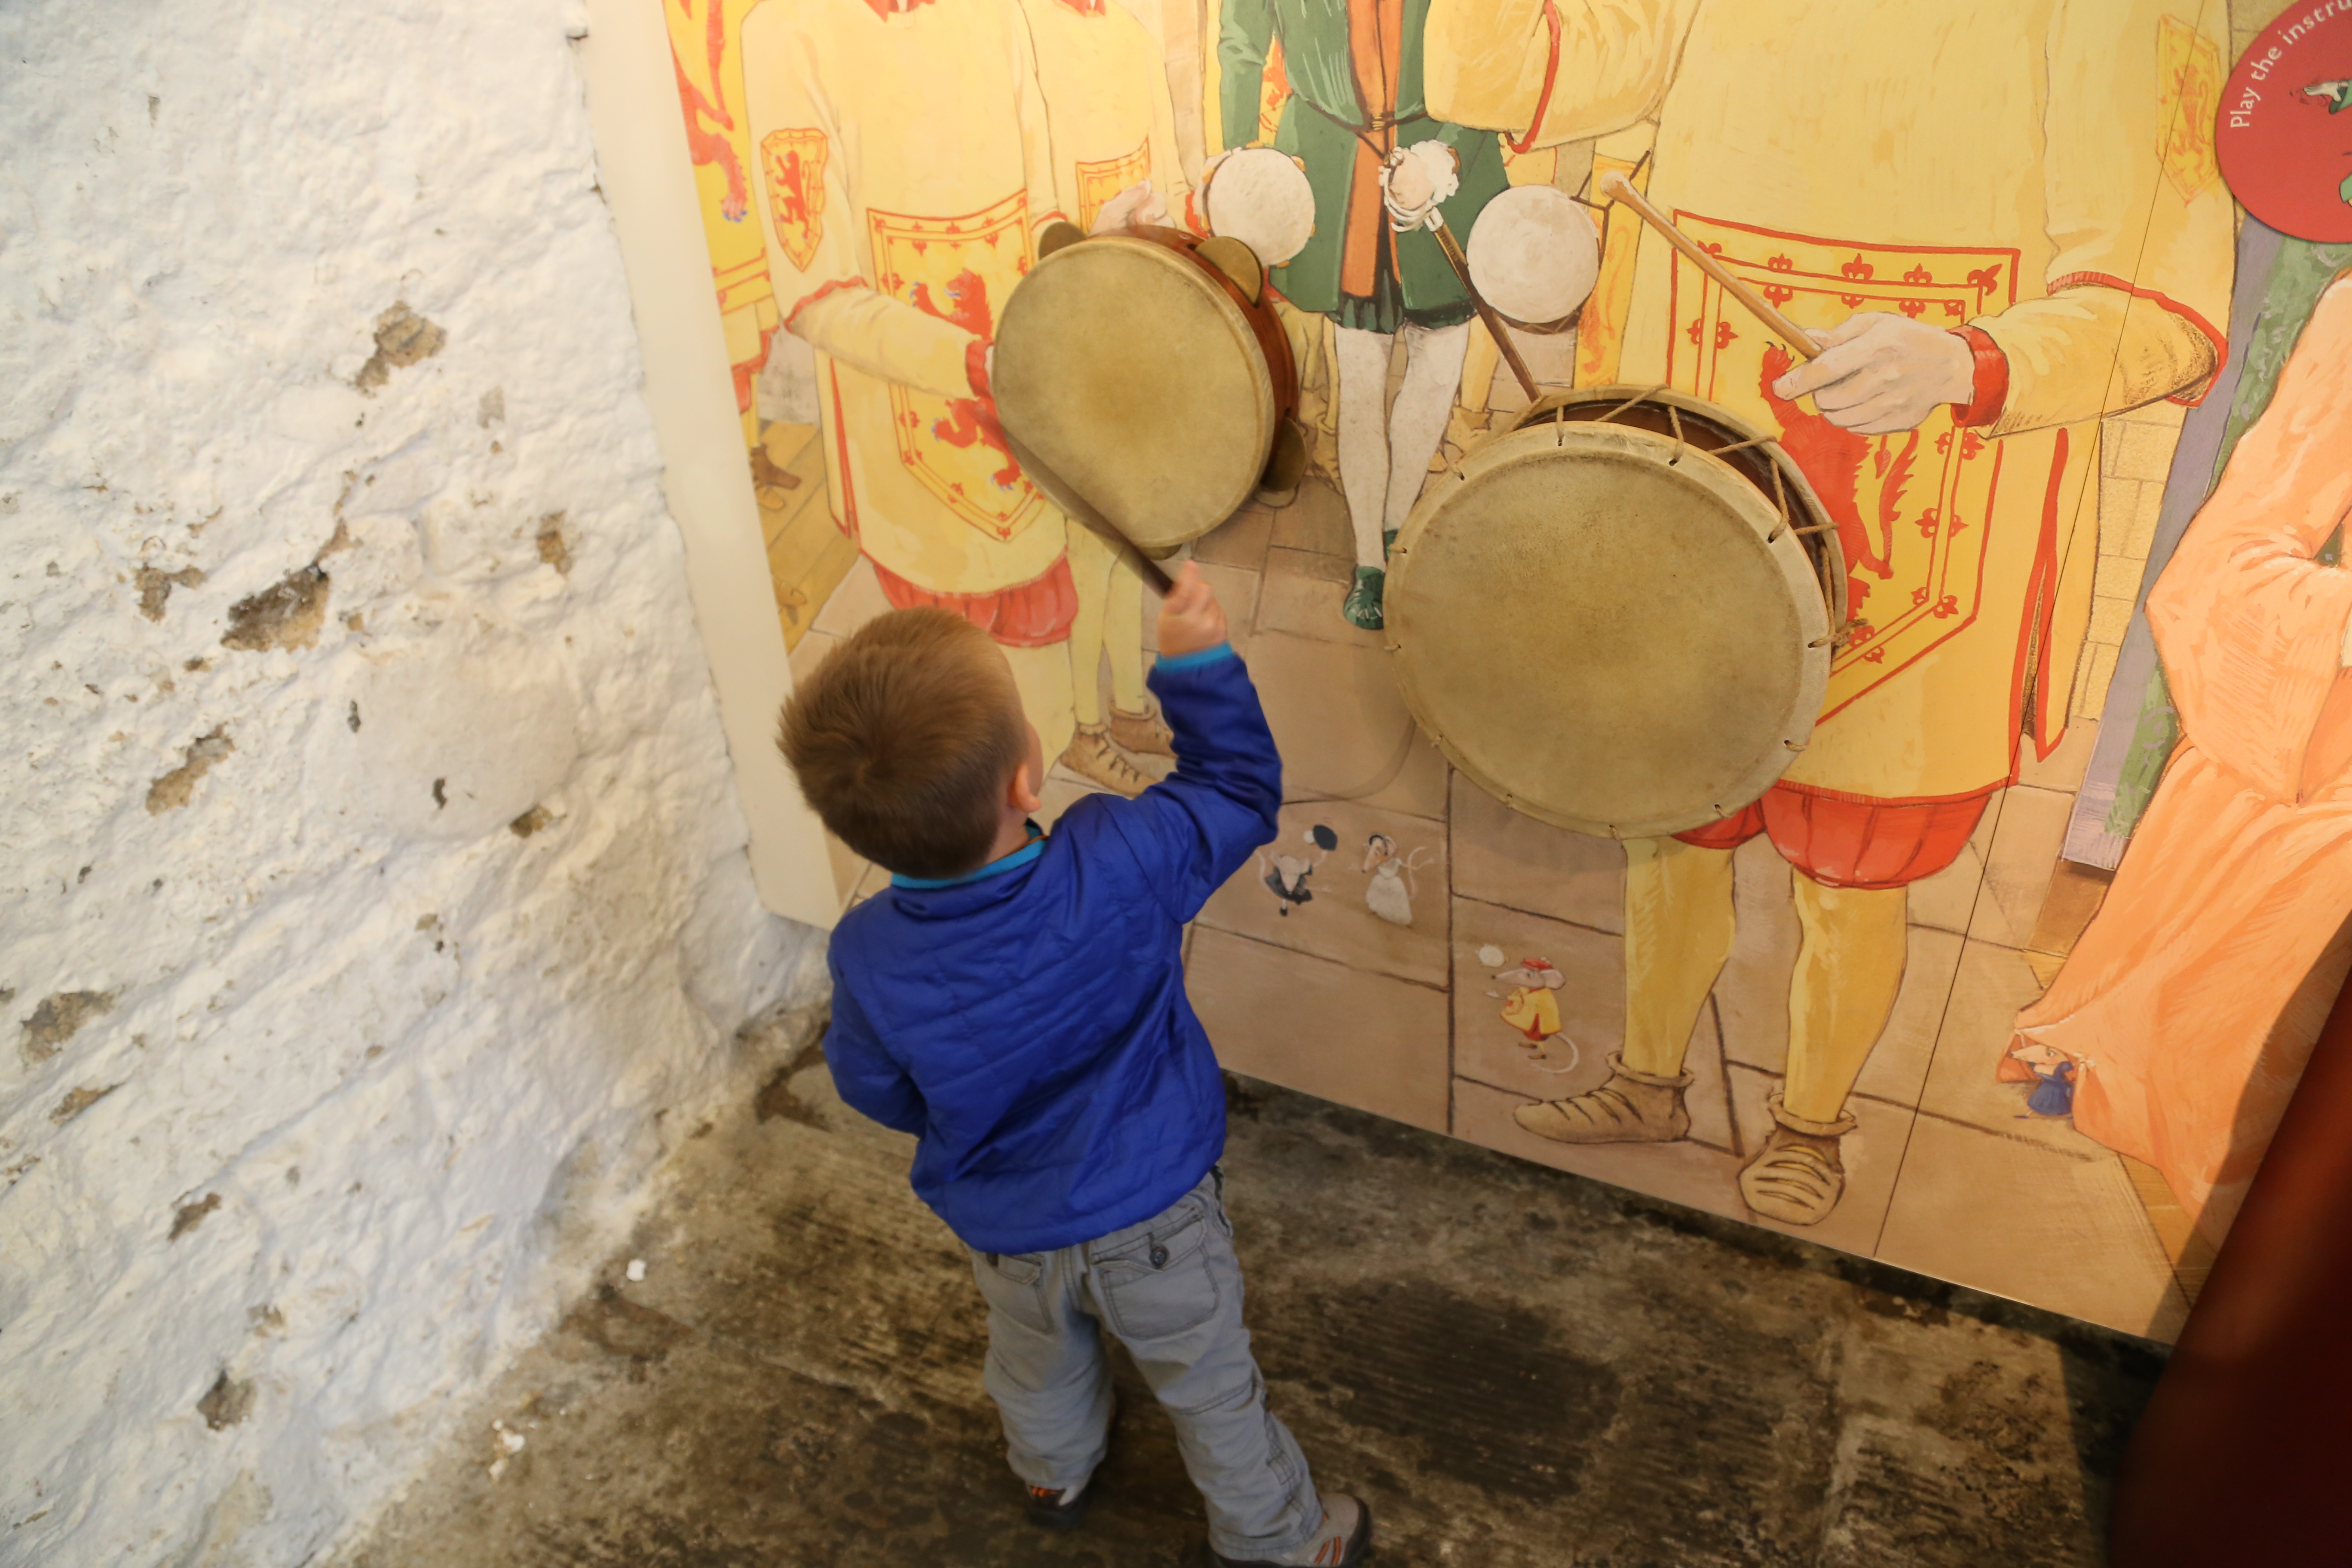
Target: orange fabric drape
2193, 998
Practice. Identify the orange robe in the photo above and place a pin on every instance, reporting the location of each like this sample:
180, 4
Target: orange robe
2195, 996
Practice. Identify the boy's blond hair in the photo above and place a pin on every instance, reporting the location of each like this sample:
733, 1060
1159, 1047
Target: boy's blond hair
905, 739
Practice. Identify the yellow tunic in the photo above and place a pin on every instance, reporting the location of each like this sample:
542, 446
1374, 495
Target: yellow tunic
1106, 104
2039, 169
904, 169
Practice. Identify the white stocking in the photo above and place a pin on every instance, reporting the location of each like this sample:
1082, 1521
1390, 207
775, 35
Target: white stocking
1432, 374
1363, 369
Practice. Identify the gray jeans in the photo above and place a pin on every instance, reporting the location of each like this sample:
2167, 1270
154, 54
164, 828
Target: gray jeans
1169, 1289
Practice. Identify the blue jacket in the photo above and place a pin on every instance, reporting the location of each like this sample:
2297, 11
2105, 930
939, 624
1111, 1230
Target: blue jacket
1028, 1021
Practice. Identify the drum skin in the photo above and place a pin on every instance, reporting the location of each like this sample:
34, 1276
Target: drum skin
1709, 426
1534, 256
1606, 628
1140, 382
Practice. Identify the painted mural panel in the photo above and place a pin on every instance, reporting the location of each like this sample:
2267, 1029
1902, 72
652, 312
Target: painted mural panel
1865, 1008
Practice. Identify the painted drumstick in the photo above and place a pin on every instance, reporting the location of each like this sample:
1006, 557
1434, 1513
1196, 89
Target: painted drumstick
1460, 265
1616, 187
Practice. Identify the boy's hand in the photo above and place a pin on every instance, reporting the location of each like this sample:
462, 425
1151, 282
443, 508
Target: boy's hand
1191, 619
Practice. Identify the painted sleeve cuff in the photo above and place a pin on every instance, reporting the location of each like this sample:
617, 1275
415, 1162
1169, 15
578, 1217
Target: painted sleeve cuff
1990, 388
1195, 660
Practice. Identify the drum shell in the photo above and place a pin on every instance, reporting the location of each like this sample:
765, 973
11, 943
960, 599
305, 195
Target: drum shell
1072, 413
1610, 629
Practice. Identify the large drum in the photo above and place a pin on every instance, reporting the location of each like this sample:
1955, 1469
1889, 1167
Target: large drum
1142, 375
1618, 615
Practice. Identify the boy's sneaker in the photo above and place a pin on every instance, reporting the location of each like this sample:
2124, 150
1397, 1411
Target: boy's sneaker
1061, 1509
1345, 1536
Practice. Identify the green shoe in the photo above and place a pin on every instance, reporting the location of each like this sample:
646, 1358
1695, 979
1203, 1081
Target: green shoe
1363, 606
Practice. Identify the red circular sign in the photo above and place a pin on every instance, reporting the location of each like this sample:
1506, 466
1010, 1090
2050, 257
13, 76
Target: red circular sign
2283, 133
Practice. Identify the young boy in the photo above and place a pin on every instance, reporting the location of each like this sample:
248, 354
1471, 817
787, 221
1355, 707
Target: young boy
1016, 1000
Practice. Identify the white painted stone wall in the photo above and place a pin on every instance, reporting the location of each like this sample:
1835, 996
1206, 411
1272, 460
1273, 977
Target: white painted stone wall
376, 913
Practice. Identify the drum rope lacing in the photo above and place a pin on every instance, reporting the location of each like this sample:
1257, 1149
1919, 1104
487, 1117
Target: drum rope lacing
1674, 417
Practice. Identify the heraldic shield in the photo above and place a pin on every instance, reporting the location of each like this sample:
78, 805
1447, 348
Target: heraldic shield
793, 163
1914, 510
961, 270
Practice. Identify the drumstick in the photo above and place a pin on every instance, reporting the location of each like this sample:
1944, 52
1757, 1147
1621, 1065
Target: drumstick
1461, 264
1075, 505
1617, 187
1153, 573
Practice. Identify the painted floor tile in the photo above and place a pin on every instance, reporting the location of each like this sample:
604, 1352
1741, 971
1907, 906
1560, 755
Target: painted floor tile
2016, 872
1317, 521
1504, 856
1343, 729
1240, 540
1302, 594
1993, 984
1351, 909
857, 601
1307, 1024
2065, 768
2022, 1220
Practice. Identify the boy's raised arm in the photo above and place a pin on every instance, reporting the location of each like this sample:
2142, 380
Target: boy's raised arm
1197, 828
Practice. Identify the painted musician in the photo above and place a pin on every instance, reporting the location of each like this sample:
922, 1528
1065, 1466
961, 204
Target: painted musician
1113, 129
2004, 219
1379, 163
904, 172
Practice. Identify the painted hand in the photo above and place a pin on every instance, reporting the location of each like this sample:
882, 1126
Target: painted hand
1136, 205
1415, 179
1880, 372
1191, 619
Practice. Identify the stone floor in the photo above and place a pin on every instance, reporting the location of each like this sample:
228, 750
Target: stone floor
1515, 1366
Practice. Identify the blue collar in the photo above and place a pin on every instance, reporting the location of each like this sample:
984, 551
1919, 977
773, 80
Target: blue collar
1012, 862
